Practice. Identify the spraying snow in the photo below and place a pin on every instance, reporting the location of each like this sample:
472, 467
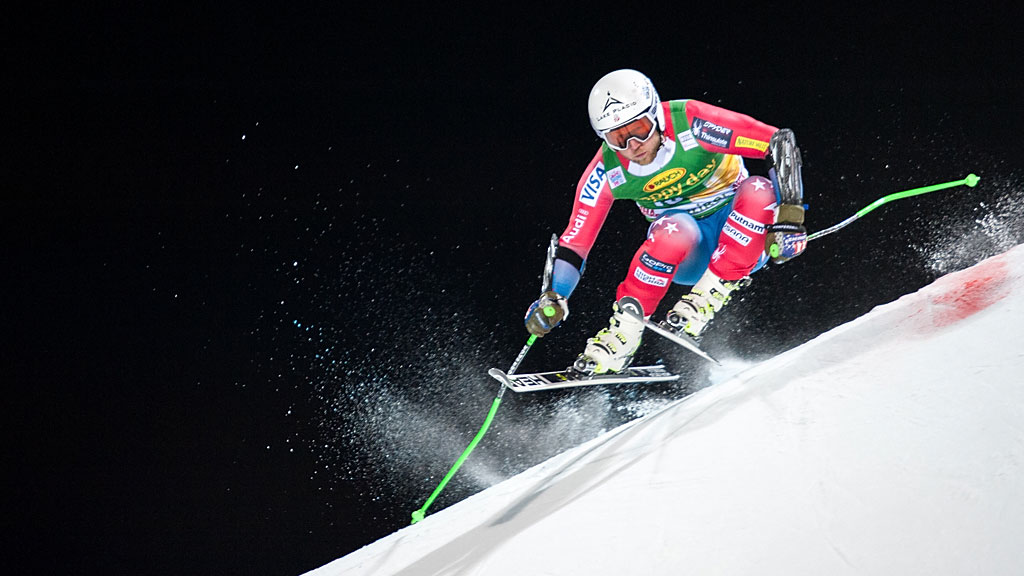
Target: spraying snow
891, 444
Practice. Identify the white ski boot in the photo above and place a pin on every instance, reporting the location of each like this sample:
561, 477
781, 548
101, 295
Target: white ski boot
695, 310
613, 348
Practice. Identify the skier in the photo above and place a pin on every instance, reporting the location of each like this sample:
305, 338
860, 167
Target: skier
712, 224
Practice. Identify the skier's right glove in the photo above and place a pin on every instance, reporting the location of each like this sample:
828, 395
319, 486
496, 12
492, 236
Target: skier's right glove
787, 237
547, 312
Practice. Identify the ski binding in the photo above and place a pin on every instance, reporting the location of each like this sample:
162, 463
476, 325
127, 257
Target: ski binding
570, 378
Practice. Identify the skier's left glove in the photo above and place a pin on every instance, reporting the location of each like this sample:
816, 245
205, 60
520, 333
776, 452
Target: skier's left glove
546, 313
787, 238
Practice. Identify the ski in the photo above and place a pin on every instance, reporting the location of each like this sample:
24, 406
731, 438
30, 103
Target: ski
682, 339
569, 378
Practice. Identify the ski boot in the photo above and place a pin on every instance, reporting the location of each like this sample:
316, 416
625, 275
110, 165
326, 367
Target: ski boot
612, 349
695, 310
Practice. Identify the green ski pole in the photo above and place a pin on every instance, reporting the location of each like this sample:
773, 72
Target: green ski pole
422, 512
971, 180
548, 311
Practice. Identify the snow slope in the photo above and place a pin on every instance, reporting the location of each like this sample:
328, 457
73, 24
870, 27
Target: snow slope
893, 444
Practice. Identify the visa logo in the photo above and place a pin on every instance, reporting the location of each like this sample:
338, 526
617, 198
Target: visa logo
592, 186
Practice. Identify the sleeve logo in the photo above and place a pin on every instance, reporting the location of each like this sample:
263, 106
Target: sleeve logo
592, 186
711, 133
744, 142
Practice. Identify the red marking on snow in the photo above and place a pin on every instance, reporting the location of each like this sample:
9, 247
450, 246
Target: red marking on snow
972, 291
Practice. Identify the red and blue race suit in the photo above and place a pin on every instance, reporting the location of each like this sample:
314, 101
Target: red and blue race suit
706, 211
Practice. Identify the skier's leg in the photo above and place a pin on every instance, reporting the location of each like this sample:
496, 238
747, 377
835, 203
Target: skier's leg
669, 241
740, 251
741, 241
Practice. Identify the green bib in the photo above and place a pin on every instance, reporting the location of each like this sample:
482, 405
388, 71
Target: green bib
683, 175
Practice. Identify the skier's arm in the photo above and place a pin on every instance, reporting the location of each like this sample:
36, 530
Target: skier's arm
720, 130
589, 211
593, 201
787, 237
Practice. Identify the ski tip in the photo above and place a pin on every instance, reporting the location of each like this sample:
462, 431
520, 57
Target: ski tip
500, 376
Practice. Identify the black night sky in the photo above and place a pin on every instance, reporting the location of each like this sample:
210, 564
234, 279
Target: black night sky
259, 258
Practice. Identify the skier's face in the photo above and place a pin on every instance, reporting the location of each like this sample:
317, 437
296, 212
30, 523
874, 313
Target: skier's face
643, 152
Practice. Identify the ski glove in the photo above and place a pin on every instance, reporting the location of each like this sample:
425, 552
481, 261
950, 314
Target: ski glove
787, 238
547, 312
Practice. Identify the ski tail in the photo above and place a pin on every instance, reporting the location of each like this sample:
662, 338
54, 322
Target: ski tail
679, 338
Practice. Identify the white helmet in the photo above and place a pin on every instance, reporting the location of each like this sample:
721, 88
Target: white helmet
620, 97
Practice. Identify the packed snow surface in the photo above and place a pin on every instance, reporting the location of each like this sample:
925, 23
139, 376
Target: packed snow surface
893, 444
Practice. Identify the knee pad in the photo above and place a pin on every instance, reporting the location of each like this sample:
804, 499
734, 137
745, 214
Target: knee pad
672, 237
670, 240
754, 196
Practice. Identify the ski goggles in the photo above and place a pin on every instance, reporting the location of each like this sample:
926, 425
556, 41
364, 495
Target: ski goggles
641, 129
